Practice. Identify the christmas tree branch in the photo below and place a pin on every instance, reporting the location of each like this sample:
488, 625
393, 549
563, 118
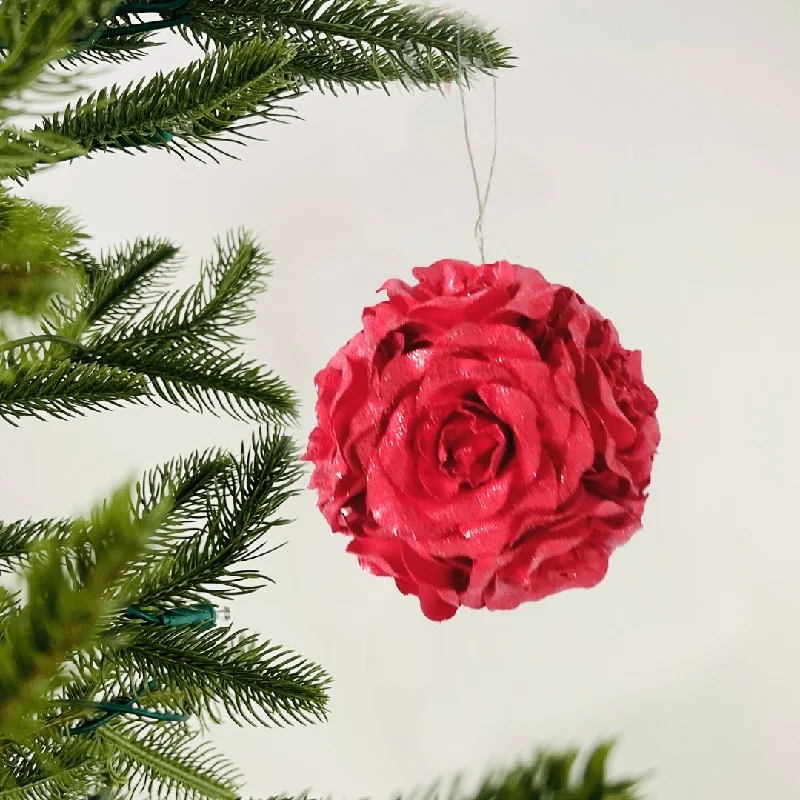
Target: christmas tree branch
118, 50
17, 538
413, 42
62, 389
209, 311
252, 681
34, 33
547, 775
195, 487
189, 482
169, 760
182, 344
186, 110
60, 770
37, 246
101, 352
241, 504
552, 775
127, 278
207, 380
66, 599
22, 152
185, 482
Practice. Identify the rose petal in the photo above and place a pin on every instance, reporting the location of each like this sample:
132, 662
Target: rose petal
519, 412
433, 606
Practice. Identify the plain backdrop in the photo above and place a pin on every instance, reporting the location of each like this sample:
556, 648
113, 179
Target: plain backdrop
649, 156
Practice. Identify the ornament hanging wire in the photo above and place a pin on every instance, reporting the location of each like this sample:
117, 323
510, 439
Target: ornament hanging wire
481, 197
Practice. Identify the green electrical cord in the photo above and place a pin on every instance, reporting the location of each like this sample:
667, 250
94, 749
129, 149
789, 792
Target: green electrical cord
117, 707
135, 9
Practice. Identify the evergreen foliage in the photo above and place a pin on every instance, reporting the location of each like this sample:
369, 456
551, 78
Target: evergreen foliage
554, 776
546, 775
104, 692
71, 585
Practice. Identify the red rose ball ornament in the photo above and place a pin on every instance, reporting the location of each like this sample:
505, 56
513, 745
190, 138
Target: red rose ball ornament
485, 439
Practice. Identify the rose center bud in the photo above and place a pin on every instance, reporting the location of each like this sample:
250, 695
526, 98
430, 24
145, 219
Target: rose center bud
471, 447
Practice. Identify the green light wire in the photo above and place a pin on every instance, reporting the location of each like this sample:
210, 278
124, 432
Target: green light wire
123, 705
126, 9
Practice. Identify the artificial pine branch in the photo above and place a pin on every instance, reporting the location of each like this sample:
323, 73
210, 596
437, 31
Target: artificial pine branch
207, 670
548, 774
23, 152
118, 50
189, 483
35, 33
37, 255
62, 388
127, 278
67, 596
9, 601
209, 311
17, 539
188, 109
552, 776
208, 379
96, 349
345, 43
168, 760
419, 44
221, 510
61, 770
224, 670
241, 499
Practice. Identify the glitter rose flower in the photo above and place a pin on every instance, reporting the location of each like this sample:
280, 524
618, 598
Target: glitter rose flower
485, 439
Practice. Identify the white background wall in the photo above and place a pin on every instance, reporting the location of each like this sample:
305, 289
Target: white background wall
650, 158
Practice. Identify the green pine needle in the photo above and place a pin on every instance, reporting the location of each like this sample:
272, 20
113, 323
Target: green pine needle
169, 761
547, 775
67, 596
34, 33
22, 152
222, 300
63, 389
198, 104
127, 278
241, 500
17, 538
37, 246
552, 776
186, 483
222, 670
349, 41
106, 346
9, 602
182, 345
190, 483
117, 50
59, 770
207, 380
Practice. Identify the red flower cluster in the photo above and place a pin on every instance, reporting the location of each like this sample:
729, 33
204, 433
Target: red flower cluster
485, 440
